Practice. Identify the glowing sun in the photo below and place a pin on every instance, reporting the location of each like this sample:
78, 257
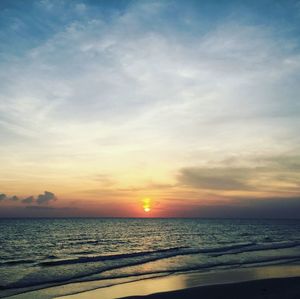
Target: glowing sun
147, 205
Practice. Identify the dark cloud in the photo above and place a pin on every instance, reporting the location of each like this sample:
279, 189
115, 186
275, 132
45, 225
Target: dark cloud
14, 198
45, 198
42, 199
251, 207
27, 200
3, 196
40, 208
215, 178
260, 174
290, 163
268, 207
38, 211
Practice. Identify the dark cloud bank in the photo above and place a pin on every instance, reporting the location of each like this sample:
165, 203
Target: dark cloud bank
36, 207
41, 199
260, 176
278, 176
37, 211
262, 208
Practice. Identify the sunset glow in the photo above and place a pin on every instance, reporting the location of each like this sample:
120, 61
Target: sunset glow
147, 205
191, 103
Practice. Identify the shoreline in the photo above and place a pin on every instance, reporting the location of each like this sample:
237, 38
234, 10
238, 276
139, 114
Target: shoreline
275, 288
188, 285
177, 284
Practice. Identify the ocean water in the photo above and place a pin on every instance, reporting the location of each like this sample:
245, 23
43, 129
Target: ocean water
38, 253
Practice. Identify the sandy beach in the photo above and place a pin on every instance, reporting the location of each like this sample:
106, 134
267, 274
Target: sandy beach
277, 288
262, 282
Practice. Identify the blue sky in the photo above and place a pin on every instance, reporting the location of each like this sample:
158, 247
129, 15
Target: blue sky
104, 103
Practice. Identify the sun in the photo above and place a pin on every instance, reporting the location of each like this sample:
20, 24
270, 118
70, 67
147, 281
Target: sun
147, 205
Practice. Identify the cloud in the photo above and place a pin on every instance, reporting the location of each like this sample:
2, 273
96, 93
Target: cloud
38, 211
215, 178
141, 90
273, 207
104, 180
14, 198
5, 197
27, 200
2, 196
258, 173
40, 208
249, 207
45, 198
41, 199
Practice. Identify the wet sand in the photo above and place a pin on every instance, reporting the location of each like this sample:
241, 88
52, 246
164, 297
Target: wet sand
276, 288
270, 282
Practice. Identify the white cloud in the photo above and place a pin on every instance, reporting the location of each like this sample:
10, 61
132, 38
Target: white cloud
122, 89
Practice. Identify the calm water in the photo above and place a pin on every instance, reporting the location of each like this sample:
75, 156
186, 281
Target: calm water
46, 251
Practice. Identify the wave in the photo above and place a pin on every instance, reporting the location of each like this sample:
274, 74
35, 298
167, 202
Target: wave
175, 251
262, 247
85, 277
99, 258
121, 261
157, 254
75, 242
169, 252
16, 262
83, 252
225, 248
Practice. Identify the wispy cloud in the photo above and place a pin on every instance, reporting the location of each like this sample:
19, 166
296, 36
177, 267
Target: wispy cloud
143, 90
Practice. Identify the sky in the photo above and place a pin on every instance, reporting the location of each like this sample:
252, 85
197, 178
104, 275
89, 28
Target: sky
150, 108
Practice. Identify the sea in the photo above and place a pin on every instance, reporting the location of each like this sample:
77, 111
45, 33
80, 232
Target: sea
40, 253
